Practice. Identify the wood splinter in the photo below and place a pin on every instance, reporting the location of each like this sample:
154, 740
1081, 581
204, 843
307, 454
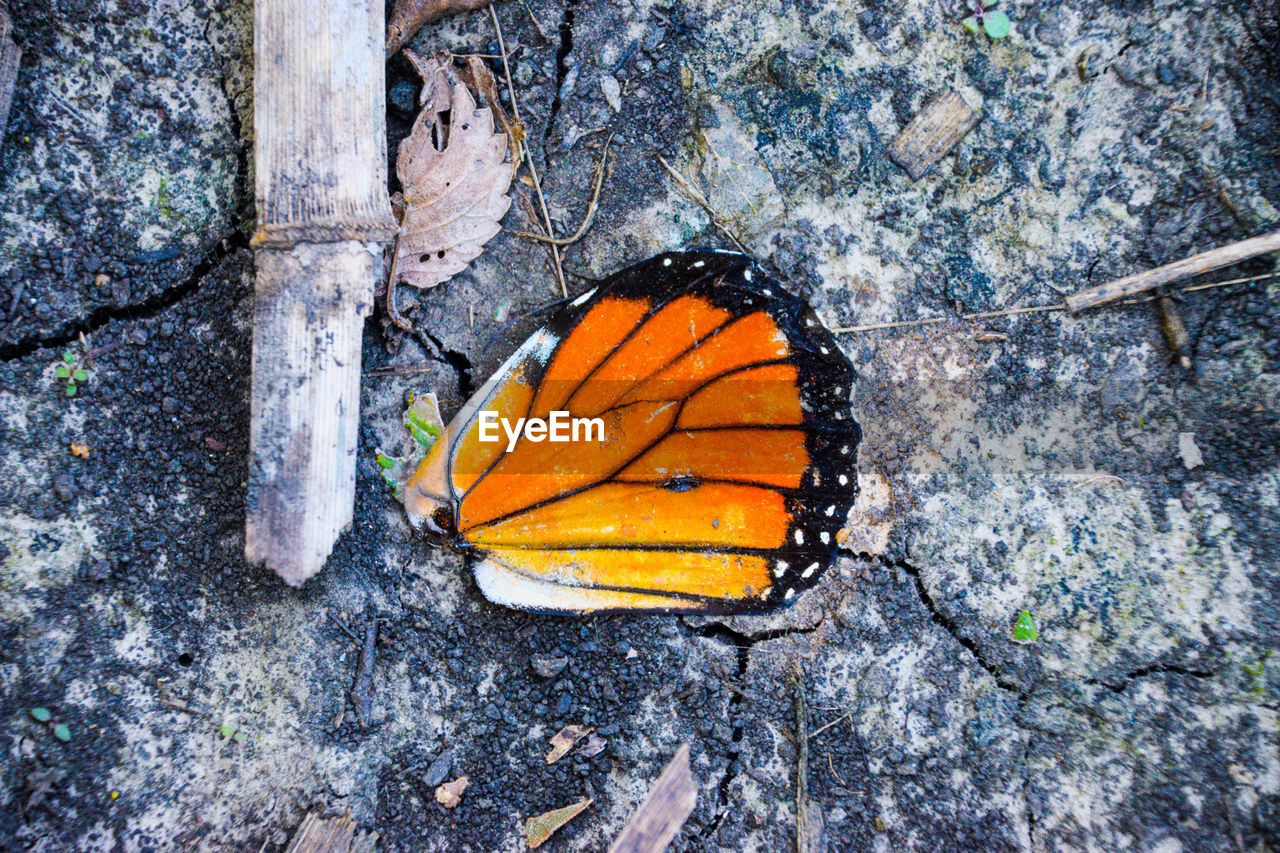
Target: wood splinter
323, 217
932, 133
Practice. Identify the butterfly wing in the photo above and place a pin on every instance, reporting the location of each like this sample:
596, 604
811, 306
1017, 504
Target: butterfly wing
728, 460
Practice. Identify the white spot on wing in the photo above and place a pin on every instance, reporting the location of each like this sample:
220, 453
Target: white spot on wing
583, 298
799, 537
666, 262
813, 567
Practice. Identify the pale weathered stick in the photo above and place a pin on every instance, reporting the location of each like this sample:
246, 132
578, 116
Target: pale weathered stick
1194, 265
331, 835
323, 213
663, 812
10, 55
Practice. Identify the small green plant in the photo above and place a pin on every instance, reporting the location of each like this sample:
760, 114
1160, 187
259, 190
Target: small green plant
70, 372
992, 21
41, 715
231, 733
62, 733
1024, 630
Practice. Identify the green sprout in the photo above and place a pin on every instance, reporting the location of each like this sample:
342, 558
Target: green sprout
41, 715
994, 22
71, 373
62, 733
1024, 630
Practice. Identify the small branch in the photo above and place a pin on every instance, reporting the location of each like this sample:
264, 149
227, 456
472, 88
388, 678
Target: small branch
392, 312
591, 208
802, 768
1194, 265
694, 194
1037, 309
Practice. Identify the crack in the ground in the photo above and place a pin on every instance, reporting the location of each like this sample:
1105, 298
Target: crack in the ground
742, 643
949, 625
562, 68
1150, 669
132, 312
455, 359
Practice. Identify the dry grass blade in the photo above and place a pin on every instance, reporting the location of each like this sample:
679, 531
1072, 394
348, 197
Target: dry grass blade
591, 208
528, 158
538, 829
693, 193
409, 16
663, 812
455, 177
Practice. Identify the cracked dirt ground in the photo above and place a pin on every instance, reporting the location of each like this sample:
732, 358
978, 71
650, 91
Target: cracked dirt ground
1039, 472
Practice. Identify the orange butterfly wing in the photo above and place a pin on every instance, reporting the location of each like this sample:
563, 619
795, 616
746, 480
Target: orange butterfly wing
727, 464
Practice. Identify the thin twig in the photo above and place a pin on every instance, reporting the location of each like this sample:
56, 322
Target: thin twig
697, 196
591, 208
822, 729
391, 289
405, 370
1034, 309
1194, 265
528, 157
534, 19
802, 768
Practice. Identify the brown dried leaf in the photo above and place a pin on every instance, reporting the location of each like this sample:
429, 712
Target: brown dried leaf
564, 741
538, 829
409, 16
455, 178
450, 793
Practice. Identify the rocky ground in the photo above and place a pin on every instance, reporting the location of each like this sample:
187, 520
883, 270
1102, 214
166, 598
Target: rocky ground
1038, 462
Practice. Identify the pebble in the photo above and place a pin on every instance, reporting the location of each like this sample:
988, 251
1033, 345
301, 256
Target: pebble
64, 485
547, 666
612, 91
439, 769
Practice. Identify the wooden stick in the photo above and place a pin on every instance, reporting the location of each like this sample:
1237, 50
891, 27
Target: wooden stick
323, 214
802, 768
10, 56
1194, 265
663, 812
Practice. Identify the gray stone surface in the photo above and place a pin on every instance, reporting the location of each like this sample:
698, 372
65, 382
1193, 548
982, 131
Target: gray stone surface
209, 706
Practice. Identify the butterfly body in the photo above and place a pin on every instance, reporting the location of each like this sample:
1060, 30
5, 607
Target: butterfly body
723, 473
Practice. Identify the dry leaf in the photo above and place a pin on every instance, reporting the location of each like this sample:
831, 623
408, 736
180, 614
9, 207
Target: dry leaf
450, 793
455, 177
79, 448
593, 747
539, 829
564, 741
478, 77
409, 16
